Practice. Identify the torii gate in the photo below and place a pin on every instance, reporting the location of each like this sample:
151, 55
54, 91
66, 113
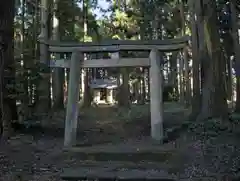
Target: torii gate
77, 61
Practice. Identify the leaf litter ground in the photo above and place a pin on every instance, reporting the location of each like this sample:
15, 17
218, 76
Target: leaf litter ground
207, 151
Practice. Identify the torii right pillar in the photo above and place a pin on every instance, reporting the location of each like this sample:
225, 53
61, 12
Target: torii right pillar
156, 101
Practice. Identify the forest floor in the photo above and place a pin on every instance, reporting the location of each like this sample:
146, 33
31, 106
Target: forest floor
208, 150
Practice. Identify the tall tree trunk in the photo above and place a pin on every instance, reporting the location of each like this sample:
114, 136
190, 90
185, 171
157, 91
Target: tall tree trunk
25, 99
7, 71
214, 104
58, 88
145, 84
142, 78
195, 23
58, 73
87, 97
173, 81
235, 37
185, 57
43, 89
124, 94
142, 86
145, 70
180, 79
229, 80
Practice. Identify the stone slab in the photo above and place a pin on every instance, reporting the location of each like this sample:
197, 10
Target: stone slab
119, 173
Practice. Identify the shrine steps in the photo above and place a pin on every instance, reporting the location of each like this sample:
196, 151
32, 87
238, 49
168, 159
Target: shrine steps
134, 151
128, 171
129, 160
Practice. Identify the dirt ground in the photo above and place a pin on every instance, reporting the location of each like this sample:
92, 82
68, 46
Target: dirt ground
208, 156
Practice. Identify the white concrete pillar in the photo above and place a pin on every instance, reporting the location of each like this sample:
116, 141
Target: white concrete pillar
96, 95
73, 98
156, 104
109, 96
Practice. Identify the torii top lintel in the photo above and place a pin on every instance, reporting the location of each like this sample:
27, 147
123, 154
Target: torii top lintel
117, 45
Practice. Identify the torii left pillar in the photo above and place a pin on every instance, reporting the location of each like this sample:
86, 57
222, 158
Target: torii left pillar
156, 100
71, 121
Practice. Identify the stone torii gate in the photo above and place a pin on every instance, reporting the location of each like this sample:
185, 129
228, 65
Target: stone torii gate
77, 61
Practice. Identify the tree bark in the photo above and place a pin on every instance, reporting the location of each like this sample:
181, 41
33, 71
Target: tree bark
229, 80
185, 58
124, 95
87, 96
235, 37
214, 104
7, 71
196, 56
58, 73
43, 89
173, 81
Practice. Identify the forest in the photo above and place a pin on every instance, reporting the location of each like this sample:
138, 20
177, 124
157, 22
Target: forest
198, 101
